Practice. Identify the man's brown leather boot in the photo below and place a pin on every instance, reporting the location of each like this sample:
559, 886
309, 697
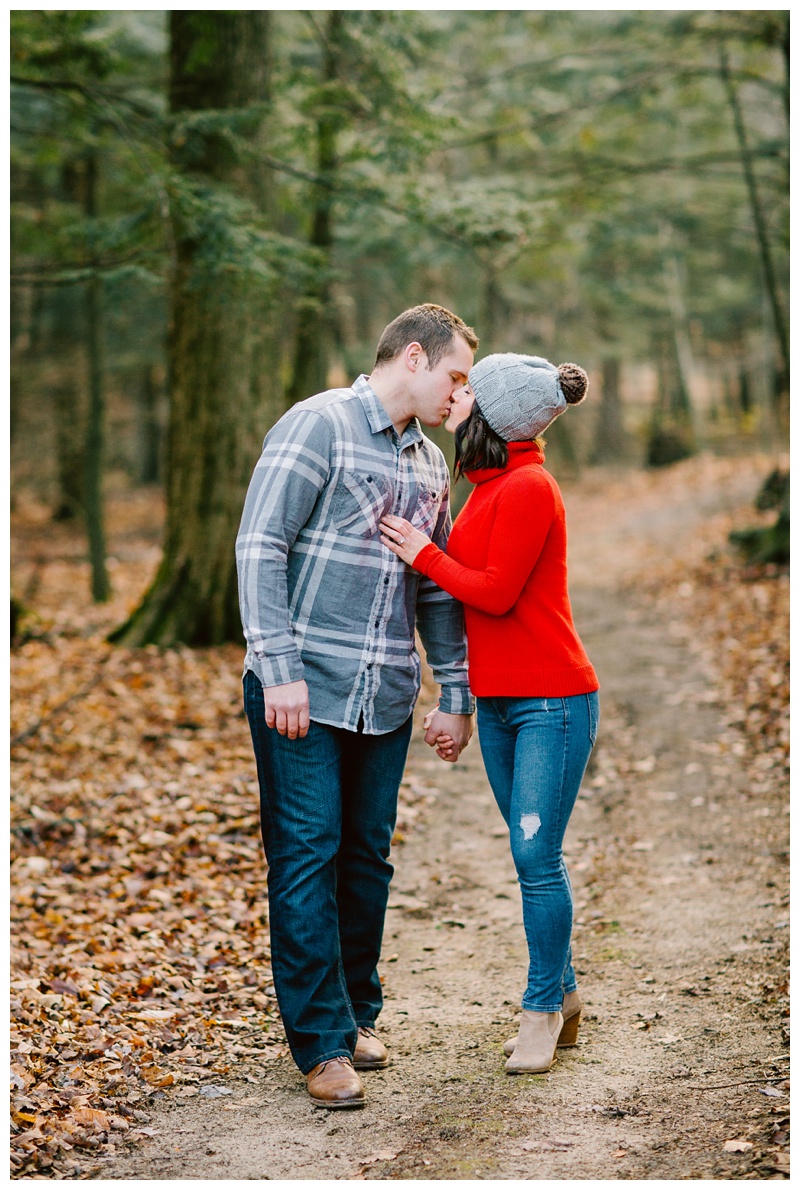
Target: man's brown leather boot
335, 1084
371, 1053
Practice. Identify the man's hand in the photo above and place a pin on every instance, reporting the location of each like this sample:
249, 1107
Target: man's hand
286, 709
448, 734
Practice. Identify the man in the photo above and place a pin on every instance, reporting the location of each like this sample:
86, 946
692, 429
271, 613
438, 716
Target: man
332, 675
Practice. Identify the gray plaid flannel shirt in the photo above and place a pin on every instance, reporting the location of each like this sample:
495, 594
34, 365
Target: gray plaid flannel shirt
321, 598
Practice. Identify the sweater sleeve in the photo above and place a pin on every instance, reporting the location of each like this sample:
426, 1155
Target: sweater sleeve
522, 521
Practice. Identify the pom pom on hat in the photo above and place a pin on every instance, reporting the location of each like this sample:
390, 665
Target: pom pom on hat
574, 383
519, 395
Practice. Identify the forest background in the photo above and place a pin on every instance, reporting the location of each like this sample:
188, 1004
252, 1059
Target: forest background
213, 215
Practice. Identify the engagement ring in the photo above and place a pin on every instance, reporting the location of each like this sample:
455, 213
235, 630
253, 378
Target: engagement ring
401, 540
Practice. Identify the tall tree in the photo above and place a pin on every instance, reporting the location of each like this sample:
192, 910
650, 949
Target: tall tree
759, 220
315, 318
609, 441
95, 419
219, 362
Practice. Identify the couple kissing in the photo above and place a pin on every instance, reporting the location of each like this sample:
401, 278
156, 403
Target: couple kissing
345, 549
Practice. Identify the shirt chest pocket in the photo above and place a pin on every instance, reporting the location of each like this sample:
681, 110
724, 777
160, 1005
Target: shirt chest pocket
426, 510
359, 502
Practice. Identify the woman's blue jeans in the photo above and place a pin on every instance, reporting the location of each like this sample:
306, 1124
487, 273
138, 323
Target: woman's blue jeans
535, 751
328, 810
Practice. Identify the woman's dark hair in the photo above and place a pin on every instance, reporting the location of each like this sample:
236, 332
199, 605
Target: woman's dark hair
477, 446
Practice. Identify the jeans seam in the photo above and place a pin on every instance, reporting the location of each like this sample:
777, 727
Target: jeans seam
565, 707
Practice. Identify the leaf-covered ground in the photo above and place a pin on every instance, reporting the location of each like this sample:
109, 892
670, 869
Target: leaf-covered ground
140, 961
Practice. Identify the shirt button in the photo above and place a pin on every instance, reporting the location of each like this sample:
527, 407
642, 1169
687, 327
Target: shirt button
385, 582
377, 623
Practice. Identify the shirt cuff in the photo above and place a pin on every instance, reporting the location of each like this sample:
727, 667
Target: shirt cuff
277, 671
456, 700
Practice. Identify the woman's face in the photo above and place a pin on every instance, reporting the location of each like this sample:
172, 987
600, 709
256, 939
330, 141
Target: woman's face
463, 400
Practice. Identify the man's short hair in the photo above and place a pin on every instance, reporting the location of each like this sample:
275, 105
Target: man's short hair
433, 327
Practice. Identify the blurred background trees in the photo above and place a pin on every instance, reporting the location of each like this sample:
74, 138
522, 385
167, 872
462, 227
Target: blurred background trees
215, 214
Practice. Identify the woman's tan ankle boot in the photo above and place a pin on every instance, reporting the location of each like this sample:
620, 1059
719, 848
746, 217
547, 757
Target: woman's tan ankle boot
571, 1012
535, 1046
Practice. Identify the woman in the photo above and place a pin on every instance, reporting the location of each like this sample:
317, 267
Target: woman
535, 687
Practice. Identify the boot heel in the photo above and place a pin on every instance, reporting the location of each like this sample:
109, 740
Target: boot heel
569, 1031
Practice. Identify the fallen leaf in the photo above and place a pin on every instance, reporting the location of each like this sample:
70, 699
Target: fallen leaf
380, 1155
64, 986
737, 1146
91, 1115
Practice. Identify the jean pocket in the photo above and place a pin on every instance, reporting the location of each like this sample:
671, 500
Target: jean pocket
593, 706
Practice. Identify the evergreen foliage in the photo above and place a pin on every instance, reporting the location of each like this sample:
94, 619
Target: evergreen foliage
603, 186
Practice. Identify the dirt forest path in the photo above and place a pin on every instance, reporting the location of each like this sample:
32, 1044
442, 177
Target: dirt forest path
679, 873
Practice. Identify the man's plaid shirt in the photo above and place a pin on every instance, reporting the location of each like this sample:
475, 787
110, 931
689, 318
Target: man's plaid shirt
320, 597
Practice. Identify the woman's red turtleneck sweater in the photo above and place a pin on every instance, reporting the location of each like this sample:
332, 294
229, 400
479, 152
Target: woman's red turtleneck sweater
506, 561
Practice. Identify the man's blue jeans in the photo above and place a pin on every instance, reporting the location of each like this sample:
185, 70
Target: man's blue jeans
535, 751
328, 810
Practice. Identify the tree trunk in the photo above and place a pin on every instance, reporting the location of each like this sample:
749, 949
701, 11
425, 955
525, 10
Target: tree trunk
66, 308
95, 418
315, 322
219, 345
669, 438
683, 409
495, 309
65, 343
610, 443
70, 415
149, 428
770, 280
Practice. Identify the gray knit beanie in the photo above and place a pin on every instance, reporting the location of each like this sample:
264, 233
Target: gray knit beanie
519, 395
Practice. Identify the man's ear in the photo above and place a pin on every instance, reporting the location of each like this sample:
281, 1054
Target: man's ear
413, 355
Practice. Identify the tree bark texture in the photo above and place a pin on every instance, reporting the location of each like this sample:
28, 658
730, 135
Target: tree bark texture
220, 347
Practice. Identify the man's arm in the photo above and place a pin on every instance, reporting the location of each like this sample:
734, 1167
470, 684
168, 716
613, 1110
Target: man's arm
293, 469
440, 620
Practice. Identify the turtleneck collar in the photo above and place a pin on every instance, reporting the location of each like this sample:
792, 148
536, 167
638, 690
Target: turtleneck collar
519, 453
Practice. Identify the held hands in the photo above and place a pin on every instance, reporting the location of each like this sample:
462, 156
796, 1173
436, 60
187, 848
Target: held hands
402, 538
448, 734
286, 709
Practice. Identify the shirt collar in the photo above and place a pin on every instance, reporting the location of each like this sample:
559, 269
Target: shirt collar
379, 420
